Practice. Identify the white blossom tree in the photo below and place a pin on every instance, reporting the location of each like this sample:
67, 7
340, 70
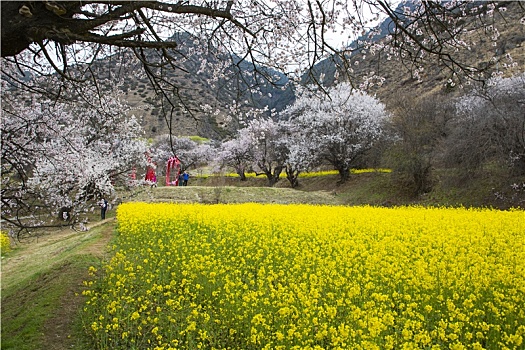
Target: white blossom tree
268, 152
62, 157
191, 153
340, 125
300, 151
237, 154
289, 36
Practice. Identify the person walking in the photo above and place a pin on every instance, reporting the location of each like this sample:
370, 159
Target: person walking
103, 208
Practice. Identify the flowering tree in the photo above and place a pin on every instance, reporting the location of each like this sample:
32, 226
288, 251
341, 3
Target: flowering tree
289, 36
268, 152
300, 151
60, 157
237, 154
190, 153
491, 125
340, 126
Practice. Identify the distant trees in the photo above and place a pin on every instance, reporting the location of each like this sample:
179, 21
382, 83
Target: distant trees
267, 150
191, 153
417, 131
258, 147
334, 128
300, 150
237, 154
483, 127
339, 128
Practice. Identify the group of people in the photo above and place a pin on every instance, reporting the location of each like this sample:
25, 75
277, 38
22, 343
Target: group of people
183, 181
183, 178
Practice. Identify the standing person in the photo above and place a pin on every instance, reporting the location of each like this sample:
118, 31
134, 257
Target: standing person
103, 208
180, 179
185, 178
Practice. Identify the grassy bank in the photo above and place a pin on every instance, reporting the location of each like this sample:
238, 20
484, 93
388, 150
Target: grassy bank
41, 285
492, 189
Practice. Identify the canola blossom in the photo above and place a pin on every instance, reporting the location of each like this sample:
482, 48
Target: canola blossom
254, 276
5, 243
321, 173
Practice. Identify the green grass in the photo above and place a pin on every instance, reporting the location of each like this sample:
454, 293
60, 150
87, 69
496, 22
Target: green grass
29, 307
364, 187
41, 289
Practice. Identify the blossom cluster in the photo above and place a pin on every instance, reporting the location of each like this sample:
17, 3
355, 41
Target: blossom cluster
253, 276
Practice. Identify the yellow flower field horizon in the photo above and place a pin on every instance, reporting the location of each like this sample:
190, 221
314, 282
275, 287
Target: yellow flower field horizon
254, 276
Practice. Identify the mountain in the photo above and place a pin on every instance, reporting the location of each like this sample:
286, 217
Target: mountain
384, 75
379, 73
191, 86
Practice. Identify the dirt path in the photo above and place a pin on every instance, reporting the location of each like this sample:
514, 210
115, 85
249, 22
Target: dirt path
58, 329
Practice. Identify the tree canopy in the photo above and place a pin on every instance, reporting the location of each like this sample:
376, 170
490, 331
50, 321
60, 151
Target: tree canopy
290, 36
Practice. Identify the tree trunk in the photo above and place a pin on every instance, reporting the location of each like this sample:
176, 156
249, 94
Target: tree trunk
344, 174
273, 177
241, 174
293, 177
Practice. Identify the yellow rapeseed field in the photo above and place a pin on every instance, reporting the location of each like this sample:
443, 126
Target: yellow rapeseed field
253, 276
321, 173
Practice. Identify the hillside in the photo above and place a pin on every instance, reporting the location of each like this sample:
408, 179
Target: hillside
201, 101
379, 72
368, 66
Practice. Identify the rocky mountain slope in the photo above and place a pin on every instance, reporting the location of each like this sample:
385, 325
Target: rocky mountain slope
378, 73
